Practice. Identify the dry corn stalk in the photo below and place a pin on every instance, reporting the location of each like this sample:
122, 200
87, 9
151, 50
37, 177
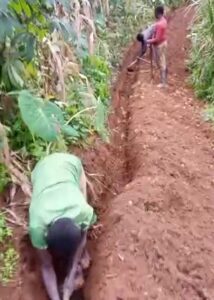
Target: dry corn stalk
16, 171
58, 63
57, 66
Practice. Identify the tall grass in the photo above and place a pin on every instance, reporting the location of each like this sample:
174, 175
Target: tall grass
202, 54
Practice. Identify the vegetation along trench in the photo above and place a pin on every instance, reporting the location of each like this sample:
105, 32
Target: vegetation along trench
147, 151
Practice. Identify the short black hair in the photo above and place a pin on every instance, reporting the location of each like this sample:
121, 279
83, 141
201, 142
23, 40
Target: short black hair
64, 237
140, 37
159, 10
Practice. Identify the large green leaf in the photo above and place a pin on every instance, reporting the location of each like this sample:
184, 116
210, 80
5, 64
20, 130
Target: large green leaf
7, 24
69, 131
4, 4
13, 74
25, 43
42, 117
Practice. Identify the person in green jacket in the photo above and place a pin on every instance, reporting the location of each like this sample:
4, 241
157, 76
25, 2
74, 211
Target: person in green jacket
59, 218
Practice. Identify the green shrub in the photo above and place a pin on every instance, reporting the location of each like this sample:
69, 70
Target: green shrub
8, 255
4, 179
97, 70
202, 53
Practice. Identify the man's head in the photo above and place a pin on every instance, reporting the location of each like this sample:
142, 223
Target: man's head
63, 237
159, 11
140, 37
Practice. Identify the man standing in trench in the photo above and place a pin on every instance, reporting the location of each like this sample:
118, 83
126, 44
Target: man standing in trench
59, 218
159, 43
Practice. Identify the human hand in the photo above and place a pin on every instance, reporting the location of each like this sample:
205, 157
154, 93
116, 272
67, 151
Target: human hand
78, 284
68, 289
66, 294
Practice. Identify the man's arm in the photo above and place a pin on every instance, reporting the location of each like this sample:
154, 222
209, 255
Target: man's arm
48, 274
68, 287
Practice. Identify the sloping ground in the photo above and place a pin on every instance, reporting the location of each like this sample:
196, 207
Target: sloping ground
157, 235
158, 242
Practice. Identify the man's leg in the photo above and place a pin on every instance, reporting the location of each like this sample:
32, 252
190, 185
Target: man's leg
143, 48
163, 77
156, 56
162, 49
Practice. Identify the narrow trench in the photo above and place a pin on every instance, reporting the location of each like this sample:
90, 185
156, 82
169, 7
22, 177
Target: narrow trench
121, 96
129, 159
30, 272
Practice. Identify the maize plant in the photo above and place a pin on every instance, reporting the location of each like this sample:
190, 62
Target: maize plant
202, 53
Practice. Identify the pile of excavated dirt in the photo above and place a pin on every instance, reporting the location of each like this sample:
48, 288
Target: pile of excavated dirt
154, 192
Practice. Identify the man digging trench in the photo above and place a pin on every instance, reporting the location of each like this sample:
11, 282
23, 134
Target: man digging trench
156, 36
59, 218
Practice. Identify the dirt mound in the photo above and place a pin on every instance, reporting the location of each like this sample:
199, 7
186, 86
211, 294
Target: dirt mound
158, 242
